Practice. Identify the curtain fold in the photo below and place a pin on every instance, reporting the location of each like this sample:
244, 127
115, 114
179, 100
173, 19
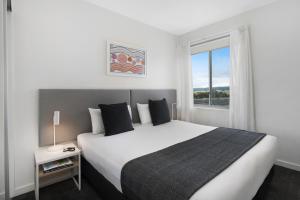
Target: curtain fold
241, 112
184, 85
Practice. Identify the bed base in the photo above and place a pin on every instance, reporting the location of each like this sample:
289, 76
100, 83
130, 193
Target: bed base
261, 193
105, 189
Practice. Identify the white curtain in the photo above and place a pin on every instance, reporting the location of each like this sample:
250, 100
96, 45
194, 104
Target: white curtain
241, 113
184, 86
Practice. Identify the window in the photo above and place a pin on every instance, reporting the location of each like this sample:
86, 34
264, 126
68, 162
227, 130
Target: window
210, 68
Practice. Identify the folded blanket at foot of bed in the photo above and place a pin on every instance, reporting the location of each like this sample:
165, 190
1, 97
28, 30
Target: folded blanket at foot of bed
178, 171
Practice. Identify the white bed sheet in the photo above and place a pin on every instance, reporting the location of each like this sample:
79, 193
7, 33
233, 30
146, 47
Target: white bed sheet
240, 181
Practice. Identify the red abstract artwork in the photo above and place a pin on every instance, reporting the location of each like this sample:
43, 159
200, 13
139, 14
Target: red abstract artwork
126, 61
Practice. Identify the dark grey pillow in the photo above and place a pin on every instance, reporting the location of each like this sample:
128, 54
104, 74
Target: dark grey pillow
116, 118
159, 112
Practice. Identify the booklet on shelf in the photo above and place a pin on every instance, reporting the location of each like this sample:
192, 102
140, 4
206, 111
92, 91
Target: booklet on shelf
55, 165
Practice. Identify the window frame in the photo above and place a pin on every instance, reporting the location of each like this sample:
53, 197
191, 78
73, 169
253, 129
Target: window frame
210, 46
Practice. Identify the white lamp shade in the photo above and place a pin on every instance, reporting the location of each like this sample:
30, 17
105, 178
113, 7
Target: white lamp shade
56, 118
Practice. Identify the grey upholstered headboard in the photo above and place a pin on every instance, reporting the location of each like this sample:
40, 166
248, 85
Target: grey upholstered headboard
74, 104
74, 116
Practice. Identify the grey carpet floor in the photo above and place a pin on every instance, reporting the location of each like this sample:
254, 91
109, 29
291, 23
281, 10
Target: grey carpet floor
65, 190
281, 184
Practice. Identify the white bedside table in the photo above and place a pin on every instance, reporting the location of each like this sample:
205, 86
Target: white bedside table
42, 156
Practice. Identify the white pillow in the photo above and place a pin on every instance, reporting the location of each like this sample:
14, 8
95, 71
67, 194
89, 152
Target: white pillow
97, 121
130, 112
144, 113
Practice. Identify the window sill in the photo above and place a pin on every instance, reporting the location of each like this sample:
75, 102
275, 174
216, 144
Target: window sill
203, 107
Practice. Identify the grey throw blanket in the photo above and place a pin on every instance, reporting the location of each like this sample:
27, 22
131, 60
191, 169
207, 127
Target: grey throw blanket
177, 172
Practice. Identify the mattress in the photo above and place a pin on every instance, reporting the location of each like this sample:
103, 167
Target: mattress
240, 180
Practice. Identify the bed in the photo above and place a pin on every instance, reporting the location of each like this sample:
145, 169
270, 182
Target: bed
241, 180
105, 157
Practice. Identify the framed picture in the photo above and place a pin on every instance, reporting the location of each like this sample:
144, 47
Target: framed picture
126, 60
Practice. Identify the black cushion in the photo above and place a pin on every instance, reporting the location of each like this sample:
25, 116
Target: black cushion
116, 118
159, 111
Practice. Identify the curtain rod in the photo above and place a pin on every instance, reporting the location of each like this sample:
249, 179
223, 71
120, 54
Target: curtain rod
222, 35
210, 40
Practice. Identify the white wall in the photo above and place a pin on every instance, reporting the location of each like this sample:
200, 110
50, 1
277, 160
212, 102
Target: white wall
275, 31
62, 44
2, 188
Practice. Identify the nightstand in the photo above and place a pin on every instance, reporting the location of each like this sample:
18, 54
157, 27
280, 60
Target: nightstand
43, 156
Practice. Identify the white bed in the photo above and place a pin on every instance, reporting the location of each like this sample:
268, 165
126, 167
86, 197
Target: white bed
240, 181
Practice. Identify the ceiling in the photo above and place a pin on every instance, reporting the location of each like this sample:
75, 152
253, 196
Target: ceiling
180, 16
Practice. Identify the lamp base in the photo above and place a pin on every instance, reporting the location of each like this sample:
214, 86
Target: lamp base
55, 148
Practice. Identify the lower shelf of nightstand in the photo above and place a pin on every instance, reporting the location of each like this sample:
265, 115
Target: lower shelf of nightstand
44, 174
48, 178
43, 156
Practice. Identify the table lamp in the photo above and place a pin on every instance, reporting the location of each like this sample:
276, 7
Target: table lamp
55, 147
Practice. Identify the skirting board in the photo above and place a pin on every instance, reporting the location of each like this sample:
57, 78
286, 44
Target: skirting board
2, 196
289, 165
23, 189
30, 187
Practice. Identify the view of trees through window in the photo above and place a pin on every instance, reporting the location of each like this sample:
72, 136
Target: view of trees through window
211, 77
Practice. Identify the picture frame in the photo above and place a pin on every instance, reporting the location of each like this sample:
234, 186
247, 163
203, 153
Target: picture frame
126, 60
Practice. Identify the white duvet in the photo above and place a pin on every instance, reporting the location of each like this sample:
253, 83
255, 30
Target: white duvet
240, 181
